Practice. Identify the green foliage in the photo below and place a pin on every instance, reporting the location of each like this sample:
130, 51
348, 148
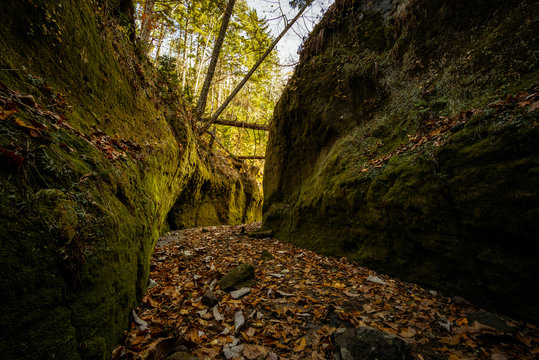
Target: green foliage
167, 78
187, 31
298, 3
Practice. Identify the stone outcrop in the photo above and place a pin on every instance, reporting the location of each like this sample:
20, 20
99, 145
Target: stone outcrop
384, 148
92, 161
221, 192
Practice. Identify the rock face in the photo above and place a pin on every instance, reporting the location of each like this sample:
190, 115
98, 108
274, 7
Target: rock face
366, 343
384, 148
91, 162
220, 193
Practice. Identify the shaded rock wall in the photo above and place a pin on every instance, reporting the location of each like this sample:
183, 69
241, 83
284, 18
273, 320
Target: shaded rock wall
373, 155
222, 192
89, 171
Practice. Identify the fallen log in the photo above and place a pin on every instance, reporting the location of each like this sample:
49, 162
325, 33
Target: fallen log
241, 124
252, 157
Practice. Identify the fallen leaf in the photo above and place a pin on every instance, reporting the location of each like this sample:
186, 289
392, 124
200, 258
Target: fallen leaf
118, 352
451, 340
407, 333
239, 293
376, 280
252, 352
34, 131
534, 106
350, 294
239, 321
138, 340
141, 324
12, 156
282, 293
216, 314
300, 345
4, 114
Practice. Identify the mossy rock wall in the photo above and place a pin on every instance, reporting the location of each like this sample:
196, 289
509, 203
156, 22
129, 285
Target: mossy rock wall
87, 176
223, 191
457, 212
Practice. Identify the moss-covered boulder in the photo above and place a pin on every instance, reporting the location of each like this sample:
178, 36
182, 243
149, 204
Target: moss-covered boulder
384, 147
241, 276
91, 163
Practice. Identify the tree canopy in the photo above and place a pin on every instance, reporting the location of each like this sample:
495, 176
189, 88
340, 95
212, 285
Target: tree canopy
180, 36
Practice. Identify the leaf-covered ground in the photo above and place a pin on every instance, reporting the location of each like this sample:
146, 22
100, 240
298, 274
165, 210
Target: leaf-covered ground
299, 301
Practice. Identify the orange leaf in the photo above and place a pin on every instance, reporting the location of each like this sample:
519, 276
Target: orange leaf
138, 340
24, 124
462, 322
451, 340
300, 345
407, 333
4, 114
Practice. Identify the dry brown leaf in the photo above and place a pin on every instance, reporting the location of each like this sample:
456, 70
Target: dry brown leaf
252, 352
138, 340
407, 333
534, 106
350, 294
207, 353
451, 340
117, 352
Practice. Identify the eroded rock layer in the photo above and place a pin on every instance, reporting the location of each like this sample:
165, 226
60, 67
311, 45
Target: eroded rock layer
396, 143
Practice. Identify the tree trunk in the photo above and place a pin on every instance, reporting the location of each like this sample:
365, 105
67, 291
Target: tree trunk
147, 19
201, 65
186, 60
253, 69
160, 40
201, 105
185, 36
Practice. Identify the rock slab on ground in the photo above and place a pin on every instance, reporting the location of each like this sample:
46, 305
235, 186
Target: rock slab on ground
241, 276
181, 356
210, 299
366, 343
265, 255
493, 320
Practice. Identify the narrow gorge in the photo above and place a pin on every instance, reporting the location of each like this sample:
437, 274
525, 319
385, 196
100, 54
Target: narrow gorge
405, 141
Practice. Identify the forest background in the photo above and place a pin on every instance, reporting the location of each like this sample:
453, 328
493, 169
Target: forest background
178, 36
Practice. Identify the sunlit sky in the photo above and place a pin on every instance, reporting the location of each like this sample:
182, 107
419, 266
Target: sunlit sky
272, 10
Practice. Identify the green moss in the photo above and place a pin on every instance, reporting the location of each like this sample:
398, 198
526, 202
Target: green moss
217, 193
429, 214
77, 229
241, 276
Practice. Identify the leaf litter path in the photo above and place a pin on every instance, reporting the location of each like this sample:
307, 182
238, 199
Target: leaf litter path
300, 301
